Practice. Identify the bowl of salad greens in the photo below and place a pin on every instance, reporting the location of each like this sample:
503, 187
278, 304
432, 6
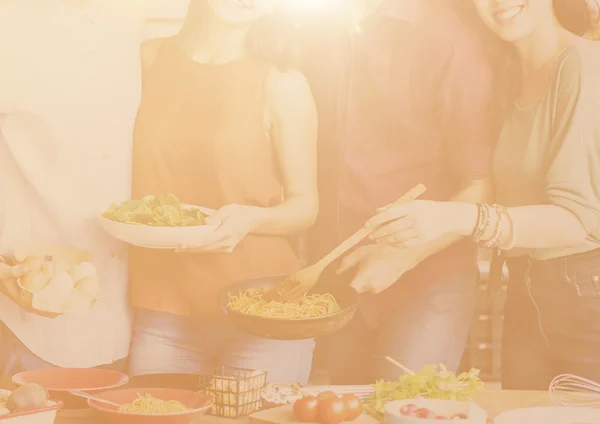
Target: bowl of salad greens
433, 382
157, 222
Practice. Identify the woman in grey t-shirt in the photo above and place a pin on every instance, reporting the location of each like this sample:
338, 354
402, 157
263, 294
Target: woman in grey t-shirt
547, 172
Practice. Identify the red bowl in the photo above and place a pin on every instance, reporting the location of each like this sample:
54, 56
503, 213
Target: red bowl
197, 403
58, 381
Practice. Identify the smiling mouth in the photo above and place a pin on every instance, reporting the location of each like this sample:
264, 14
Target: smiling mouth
240, 3
506, 15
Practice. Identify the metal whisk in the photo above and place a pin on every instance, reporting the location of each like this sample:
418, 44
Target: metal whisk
571, 390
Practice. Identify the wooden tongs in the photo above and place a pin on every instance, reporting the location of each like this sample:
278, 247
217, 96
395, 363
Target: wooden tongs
303, 280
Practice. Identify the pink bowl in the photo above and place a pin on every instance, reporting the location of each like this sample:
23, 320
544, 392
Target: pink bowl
58, 381
197, 403
65, 379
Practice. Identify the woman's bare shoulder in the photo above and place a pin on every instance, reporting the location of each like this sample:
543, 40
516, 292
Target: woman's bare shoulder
287, 89
149, 50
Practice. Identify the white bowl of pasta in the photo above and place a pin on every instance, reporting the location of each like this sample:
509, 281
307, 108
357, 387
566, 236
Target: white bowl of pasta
152, 406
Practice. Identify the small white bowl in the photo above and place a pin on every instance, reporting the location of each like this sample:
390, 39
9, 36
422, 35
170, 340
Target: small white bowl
446, 408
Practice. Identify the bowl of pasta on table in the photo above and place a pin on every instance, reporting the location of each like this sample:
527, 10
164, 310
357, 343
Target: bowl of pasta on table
152, 406
157, 222
315, 314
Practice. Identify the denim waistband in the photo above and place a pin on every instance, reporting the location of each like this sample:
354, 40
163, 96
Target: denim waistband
564, 266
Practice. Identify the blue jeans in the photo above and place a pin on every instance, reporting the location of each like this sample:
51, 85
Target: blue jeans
552, 321
15, 357
427, 327
165, 343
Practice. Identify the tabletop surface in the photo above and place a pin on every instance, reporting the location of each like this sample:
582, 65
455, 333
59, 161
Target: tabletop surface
493, 401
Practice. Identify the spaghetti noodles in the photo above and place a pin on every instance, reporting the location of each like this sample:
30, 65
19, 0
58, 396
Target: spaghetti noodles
150, 405
251, 302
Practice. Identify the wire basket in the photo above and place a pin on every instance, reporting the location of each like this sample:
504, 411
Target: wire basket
236, 391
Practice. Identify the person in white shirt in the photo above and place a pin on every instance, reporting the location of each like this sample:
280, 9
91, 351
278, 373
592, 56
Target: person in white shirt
70, 86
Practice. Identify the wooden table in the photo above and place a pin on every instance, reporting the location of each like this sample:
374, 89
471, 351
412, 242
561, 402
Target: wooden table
493, 401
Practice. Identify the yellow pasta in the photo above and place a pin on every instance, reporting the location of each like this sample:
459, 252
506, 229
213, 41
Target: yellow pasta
251, 302
150, 405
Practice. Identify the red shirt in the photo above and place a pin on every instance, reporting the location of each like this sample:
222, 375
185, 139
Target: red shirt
406, 100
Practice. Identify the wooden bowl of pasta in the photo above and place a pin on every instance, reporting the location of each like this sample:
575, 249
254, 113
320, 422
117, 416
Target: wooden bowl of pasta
152, 406
327, 309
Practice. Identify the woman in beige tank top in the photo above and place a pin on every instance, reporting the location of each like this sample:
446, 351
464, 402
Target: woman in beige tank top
221, 126
547, 175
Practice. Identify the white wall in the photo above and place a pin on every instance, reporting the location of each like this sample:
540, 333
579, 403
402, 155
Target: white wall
163, 17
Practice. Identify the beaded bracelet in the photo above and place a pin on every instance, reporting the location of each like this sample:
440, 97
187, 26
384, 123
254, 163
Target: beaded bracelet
483, 223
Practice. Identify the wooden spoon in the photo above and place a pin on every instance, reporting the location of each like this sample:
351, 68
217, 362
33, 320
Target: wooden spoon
88, 396
304, 279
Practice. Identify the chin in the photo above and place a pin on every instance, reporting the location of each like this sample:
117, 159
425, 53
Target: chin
512, 35
233, 12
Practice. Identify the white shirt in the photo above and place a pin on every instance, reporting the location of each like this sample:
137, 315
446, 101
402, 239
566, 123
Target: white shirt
70, 86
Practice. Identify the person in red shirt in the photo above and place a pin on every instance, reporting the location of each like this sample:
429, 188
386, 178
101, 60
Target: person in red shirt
406, 98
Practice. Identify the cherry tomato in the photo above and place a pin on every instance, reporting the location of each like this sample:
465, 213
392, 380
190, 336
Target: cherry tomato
353, 407
426, 414
327, 395
409, 410
332, 411
307, 409
459, 417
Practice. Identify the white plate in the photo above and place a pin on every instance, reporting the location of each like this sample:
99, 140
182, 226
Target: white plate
157, 237
550, 415
45, 415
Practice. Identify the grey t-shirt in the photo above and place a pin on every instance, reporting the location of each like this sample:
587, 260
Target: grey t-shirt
549, 153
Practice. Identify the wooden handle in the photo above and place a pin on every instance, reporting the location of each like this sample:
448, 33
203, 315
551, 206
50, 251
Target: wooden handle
358, 236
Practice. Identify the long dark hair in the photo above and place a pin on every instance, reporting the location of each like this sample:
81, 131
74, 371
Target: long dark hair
575, 15
274, 38
500, 55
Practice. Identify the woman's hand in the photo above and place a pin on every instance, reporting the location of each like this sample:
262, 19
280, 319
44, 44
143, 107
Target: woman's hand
415, 223
9, 272
379, 266
234, 222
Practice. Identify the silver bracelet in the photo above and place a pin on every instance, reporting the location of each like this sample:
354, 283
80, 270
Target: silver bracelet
511, 228
497, 235
483, 222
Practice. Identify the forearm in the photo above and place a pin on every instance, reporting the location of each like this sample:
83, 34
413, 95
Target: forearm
535, 226
292, 216
477, 192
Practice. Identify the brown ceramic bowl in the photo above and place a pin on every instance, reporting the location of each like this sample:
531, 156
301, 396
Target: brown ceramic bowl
59, 381
197, 403
292, 329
